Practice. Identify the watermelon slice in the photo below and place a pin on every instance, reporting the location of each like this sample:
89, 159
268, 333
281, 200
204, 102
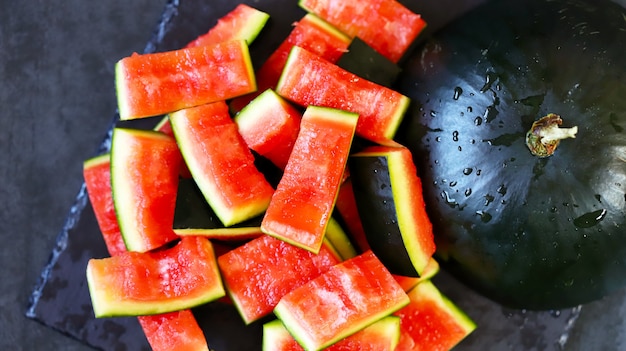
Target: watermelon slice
97, 174
144, 181
382, 335
173, 331
309, 80
243, 22
270, 125
221, 163
167, 280
310, 33
165, 332
301, 207
386, 25
431, 322
389, 198
258, 273
163, 82
347, 298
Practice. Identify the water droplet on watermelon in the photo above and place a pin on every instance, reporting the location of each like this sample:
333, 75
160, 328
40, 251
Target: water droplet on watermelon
490, 78
478, 121
501, 190
490, 113
457, 93
485, 217
489, 199
590, 219
468, 171
450, 201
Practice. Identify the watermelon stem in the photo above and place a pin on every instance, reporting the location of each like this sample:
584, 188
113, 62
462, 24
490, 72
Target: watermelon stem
545, 135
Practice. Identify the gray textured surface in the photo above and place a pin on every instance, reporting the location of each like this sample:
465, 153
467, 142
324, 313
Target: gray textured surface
57, 98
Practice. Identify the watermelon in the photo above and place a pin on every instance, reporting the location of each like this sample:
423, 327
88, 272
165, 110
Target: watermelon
311, 33
146, 283
258, 273
97, 175
173, 331
382, 335
386, 25
144, 181
431, 322
160, 83
220, 162
165, 332
243, 22
269, 125
308, 80
389, 199
347, 297
165, 127
301, 207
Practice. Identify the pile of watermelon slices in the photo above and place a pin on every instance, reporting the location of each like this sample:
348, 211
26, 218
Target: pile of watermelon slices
329, 241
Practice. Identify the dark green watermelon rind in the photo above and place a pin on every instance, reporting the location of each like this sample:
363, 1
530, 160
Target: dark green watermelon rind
376, 202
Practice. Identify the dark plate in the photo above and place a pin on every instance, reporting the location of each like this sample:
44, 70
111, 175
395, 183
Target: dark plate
61, 299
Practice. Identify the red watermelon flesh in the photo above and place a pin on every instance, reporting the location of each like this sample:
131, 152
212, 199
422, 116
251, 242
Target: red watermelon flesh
97, 174
243, 22
155, 282
309, 80
301, 207
382, 335
165, 332
144, 183
258, 273
345, 299
311, 33
386, 25
173, 331
270, 126
221, 163
159, 83
431, 322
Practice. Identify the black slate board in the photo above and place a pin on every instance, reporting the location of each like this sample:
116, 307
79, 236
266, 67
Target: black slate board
61, 299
